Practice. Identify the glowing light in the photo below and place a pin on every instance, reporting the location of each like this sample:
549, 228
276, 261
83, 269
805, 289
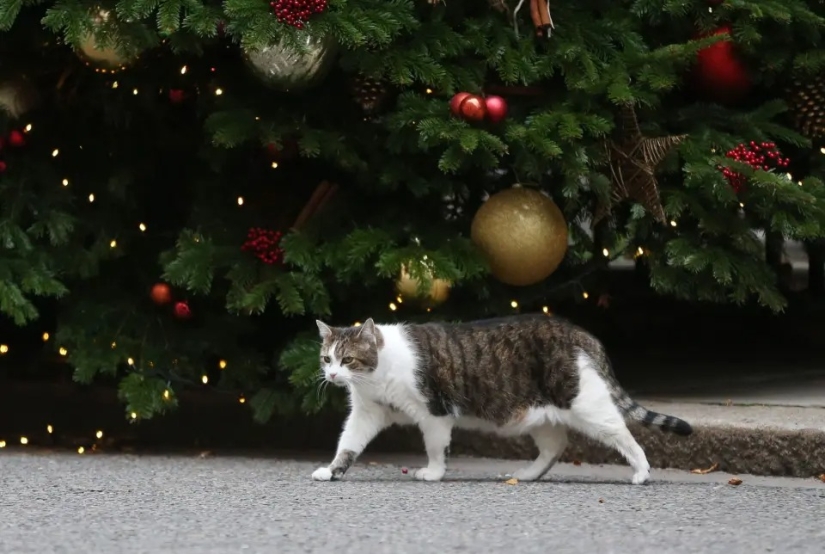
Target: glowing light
63, 351
99, 434
55, 153
80, 450
114, 85
45, 337
222, 364
135, 91
2, 444
585, 295
114, 345
741, 204
130, 361
673, 223
545, 309
133, 415
49, 429
513, 304
218, 91
142, 227
399, 299
393, 307
640, 251
65, 182
605, 252
113, 244
240, 201
24, 440
357, 324
28, 128
4, 348
183, 70
166, 394
204, 379
92, 197
242, 400
429, 90
274, 165
789, 176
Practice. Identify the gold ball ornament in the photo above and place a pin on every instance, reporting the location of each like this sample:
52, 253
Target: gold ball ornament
289, 69
105, 55
522, 234
408, 287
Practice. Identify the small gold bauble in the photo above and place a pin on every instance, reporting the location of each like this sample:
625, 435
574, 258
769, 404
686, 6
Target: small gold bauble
106, 57
522, 234
407, 287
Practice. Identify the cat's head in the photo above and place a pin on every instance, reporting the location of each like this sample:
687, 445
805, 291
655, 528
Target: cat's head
349, 355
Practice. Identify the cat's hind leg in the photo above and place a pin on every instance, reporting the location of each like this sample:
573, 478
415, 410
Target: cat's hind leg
594, 414
551, 440
437, 432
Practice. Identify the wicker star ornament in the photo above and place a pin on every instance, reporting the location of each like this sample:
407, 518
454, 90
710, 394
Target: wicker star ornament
633, 160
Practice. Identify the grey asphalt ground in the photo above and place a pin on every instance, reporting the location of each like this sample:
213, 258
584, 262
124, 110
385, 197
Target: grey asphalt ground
113, 504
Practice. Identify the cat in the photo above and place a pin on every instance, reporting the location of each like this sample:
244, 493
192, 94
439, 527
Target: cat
534, 375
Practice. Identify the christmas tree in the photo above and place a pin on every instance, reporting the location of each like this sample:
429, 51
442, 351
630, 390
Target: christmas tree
186, 186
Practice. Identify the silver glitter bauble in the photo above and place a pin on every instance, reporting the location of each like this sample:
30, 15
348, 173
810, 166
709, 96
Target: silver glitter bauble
293, 70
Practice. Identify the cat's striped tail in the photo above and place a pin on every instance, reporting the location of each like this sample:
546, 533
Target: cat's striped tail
634, 411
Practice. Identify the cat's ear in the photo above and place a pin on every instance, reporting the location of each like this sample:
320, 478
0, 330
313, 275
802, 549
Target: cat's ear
367, 330
324, 329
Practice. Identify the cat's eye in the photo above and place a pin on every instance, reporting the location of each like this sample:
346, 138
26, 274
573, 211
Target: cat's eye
326, 359
347, 360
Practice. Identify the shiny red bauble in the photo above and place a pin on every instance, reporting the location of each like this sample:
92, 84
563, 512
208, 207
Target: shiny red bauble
455, 103
16, 138
161, 294
719, 74
496, 108
473, 108
181, 310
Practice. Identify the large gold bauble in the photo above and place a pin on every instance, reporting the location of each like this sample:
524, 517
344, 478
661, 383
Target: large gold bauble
290, 69
106, 57
408, 287
522, 234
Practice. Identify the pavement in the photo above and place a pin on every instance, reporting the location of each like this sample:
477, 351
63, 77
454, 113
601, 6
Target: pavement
70, 503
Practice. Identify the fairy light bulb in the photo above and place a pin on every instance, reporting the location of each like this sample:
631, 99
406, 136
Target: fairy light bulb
183, 70
80, 450
135, 92
673, 223
429, 90
222, 364
63, 351
99, 434
130, 361
545, 309
274, 165
4, 348
393, 307
114, 85
204, 379
91, 197
218, 91
113, 244
55, 153
513, 304
49, 429
28, 128
65, 182
399, 299
2, 444
166, 394
24, 440
357, 324
133, 415
640, 251
585, 295
142, 227
242, 400
240, 201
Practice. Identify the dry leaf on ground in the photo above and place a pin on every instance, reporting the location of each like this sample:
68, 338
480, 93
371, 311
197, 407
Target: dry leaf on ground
735, 482
512, 481
711, 469
822, 477
577, 462
601, 500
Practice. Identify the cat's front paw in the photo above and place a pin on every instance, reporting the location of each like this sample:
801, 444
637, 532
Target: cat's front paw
322, 474
429, 474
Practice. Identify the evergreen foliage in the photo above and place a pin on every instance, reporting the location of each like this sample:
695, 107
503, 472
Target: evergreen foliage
108, 152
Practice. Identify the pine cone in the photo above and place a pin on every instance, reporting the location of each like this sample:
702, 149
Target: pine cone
369, 93
807, 104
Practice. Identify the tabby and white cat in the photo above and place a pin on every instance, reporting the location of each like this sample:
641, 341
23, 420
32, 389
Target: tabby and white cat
530, 374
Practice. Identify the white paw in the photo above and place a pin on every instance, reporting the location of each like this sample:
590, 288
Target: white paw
640, 477
429, 474
525, 474
322, 474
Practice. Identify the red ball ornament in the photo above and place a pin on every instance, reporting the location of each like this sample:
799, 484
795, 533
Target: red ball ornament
264, 244
297, 12
765, 156
16, 138
496, 108
455, 103
719, 73
161, 294
473, 108
181, 310
176, 96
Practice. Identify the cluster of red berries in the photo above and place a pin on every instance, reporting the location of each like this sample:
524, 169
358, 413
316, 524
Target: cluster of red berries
264, 244
765, 156
297, 12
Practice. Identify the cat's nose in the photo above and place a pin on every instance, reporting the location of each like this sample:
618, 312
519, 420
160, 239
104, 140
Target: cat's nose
332, 375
